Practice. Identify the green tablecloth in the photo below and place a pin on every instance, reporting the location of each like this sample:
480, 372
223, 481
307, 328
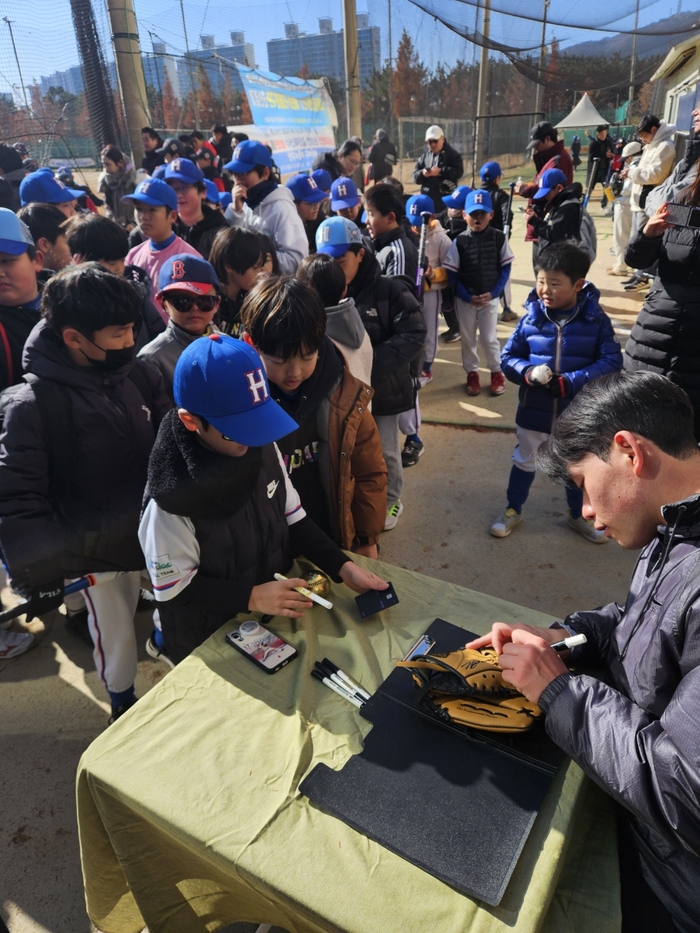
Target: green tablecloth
190, 817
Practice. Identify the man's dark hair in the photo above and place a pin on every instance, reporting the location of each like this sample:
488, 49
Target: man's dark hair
566, 258
219, 128
88, 298
284, 317
239, 137
196, 134
43, 220
386, 200
647, 123
149, 131
325, 275
235, 248
644, 403
347, 147
7, 194
114, 154
394, 182
601, 128
94, 237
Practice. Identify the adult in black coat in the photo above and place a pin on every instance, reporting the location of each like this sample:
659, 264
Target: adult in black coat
602, 148
151, 144
341, 162
439, 169
665, 338
382, 156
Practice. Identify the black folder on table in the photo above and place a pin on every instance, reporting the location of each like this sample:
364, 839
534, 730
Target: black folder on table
421, 786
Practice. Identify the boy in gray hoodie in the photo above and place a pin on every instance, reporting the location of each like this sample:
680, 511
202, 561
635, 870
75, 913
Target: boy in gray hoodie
343, 322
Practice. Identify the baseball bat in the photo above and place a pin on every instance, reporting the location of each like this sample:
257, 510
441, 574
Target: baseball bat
591, 175
506, 225
425, 220
82, 583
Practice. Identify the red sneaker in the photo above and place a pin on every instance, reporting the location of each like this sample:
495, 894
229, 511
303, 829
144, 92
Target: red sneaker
498, 383
473, 386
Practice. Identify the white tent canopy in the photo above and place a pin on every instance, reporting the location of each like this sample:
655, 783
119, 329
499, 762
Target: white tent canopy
583, 114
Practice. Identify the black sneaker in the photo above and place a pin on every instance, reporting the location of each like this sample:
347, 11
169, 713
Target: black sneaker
412, 452
77, 625
632, 278
118, 711
451, 336
639, 284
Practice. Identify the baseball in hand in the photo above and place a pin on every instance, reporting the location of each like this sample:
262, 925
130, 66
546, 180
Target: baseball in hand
540, 375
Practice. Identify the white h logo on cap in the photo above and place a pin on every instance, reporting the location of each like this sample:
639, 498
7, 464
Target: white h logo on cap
478, 198
342, 190
257, 386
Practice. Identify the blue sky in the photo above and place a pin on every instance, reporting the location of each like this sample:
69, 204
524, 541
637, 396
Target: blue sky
46, 42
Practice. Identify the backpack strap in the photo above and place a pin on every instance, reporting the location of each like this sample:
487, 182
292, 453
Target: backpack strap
54, 404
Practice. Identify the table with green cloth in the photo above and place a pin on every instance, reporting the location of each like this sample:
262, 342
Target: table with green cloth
190, 816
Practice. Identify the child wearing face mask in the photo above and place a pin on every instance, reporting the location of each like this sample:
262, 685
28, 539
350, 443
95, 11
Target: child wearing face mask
76, 443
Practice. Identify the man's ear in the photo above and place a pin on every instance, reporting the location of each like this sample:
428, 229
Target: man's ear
77, 258
43, 244
190, 421
248, 339
630, 448
172, 215
38, 261
360, 256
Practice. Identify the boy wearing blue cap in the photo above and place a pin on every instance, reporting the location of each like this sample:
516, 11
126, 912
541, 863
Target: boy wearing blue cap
557, 212
308, 198
478, 266
41, 186
346, 202
155, 208
197, 223
222, 516
394, 321
76, 443
20, 294
263, 205
490, 174
188, 291
437, 248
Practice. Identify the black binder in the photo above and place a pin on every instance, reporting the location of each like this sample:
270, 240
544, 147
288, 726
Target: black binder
423, 788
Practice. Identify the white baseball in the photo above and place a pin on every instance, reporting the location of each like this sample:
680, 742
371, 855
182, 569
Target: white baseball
541, 375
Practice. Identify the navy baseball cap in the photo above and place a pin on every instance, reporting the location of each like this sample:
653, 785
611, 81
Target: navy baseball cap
419, 204
336, 234
490, 171
323, 179
223, 380
44, 188
154, 191
183, 170
457, 198
247, 155
478, 200
548, 180
344, 194
172, 146
187, 273
14, 233
304, 188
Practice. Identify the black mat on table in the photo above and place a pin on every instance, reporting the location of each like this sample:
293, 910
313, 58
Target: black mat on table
456, 802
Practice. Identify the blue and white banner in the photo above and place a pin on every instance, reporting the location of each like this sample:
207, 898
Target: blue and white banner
287, 102
293, 148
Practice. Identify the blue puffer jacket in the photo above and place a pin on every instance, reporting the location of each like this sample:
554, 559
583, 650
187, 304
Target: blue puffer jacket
584, 348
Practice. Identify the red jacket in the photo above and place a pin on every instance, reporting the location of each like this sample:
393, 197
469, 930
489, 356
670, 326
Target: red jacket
555, 157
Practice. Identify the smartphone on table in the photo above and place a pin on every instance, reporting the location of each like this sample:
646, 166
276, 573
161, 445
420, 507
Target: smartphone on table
261, 646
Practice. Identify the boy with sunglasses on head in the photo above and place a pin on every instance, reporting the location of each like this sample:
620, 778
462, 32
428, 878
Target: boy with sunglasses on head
189, 294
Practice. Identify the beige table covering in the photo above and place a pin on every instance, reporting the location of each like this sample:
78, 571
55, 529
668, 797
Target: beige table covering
190, 817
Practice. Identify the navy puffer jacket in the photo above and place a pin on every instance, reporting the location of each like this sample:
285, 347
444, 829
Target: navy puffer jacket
584, 347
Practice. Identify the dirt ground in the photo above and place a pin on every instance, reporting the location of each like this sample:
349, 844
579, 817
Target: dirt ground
53, 705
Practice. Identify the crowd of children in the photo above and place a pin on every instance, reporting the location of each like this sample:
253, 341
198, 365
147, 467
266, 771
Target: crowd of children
251, 363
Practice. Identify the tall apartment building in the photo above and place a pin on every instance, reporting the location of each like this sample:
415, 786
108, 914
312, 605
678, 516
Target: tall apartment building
214, 58
157, 65
322, 52
71, 79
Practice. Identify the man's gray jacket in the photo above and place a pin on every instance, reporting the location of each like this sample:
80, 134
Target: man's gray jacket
638, 735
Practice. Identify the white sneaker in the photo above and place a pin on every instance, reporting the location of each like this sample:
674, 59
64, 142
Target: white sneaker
505, 523
392, 515
13, 644
586, 529
425, 379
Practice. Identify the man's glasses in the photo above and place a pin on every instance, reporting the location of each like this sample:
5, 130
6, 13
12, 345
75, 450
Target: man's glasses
185, 303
